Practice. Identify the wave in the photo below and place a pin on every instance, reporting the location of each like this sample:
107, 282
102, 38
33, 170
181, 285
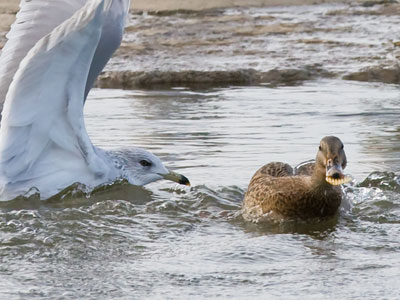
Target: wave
377, 197
387, 181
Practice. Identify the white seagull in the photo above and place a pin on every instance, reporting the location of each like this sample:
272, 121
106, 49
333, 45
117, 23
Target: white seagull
55, 51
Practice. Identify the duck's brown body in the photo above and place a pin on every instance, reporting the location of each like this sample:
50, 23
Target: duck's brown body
275, 188
291, 196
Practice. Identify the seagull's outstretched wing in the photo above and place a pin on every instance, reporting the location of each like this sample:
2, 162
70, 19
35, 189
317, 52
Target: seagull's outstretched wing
34, 20
42, 130
38, 18
110, 40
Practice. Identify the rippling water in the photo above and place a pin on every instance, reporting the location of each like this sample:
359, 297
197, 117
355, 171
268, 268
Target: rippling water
171, 242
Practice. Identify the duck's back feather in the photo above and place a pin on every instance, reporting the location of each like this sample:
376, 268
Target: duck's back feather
274, 188
305, 168
276, 169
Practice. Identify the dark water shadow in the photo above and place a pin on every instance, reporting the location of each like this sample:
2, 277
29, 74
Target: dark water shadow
77, 195
316, 228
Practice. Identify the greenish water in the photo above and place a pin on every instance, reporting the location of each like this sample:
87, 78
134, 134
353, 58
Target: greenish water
165, 241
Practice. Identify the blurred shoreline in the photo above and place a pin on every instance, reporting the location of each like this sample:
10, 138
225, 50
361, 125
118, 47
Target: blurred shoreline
247, 42
9, 8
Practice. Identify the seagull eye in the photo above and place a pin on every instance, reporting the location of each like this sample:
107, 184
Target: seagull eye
145, 163
342, 147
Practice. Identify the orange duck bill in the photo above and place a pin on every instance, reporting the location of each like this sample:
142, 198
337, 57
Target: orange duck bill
335, 176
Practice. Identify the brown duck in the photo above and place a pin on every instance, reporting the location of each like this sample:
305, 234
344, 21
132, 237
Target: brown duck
312, 191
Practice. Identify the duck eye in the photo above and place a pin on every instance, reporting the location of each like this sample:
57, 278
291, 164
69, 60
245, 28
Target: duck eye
320, 148
342, 147
145, 163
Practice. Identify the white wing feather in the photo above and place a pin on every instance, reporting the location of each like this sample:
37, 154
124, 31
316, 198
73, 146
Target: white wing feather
38, 18
43, 136
34, 20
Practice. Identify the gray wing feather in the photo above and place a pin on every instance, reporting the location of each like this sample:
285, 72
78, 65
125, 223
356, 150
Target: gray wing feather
110, 39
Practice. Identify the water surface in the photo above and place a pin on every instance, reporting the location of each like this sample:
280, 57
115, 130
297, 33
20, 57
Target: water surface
170, 242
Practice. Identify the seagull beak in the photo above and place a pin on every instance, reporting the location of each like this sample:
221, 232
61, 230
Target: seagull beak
175, 177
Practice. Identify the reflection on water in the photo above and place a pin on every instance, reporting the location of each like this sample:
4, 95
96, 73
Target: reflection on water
172, 242
222, 136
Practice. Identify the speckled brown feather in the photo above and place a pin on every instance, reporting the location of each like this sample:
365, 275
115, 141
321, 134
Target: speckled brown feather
292, 196
274, 188
276, 169
305, 169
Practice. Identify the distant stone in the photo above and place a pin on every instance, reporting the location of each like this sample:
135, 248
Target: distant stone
377, 73
373, 3
131, 79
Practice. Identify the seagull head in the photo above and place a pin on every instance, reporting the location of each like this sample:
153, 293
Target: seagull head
144, 167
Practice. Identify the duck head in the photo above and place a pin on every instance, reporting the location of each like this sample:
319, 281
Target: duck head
331, 160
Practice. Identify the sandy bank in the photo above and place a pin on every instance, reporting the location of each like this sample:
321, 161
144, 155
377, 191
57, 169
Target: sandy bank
162, 5
251, 45
8, 8
259, 46
11, 6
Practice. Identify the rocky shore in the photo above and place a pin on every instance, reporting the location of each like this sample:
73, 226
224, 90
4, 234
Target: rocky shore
181, 44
